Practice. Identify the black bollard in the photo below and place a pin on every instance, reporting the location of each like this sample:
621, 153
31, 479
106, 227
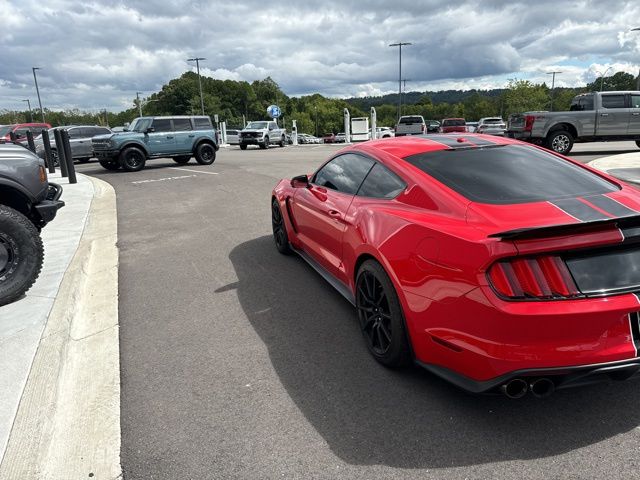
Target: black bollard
48, 159
60, 153
32, 146
71, 169
13, 137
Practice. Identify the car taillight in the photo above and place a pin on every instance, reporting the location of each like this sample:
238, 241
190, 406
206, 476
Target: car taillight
528, 122
423, 128
545, 277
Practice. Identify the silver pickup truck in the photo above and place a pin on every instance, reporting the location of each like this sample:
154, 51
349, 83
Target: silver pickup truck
262, 133
593, 117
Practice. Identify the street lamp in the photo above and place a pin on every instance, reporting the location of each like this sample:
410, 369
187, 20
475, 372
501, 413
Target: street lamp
602, 76
197, 60
35, 79
553, 84
315, 109
638, 79
30, 113
139, 104
400, 45
404, 88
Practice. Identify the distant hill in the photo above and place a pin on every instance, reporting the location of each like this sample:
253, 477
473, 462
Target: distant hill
411, 98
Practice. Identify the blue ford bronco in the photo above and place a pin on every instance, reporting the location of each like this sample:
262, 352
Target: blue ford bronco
176, 137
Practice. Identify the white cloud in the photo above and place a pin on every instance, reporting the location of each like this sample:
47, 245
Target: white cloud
97, 54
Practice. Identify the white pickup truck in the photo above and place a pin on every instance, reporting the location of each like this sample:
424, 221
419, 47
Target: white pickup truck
262, 133
593, 117
411, 125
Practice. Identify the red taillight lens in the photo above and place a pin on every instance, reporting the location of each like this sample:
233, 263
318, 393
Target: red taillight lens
528, 122
423, 128
533, 278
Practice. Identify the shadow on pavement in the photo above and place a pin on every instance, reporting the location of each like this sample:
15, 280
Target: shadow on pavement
602, 153
404, 418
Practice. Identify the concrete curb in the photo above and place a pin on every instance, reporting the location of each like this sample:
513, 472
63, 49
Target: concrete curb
68, 421
625, 166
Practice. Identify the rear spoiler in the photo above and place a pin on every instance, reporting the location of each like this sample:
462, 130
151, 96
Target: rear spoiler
630, 225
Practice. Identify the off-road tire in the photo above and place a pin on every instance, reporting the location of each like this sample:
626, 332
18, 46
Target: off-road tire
243, 146
182, 160
132, 159
264, 145
110, 164
283, 142
21, 254
205, 154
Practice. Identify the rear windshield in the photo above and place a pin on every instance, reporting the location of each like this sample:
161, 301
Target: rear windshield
492, 120
454, 123
5, 130
509, 174
411, 120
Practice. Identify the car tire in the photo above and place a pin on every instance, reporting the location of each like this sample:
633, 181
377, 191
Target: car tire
110, 164
84, 160
243, 146
560, 141
265, 144
182, 160
205, 154
21, 254
638, 143
280, 236
54, 158
132, 159
380, 315
283, 142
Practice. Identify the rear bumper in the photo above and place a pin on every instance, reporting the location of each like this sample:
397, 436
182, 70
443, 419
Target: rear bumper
525, 136
479, 341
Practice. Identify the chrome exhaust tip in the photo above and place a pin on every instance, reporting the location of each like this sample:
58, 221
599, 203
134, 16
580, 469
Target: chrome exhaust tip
516, 388
542, 387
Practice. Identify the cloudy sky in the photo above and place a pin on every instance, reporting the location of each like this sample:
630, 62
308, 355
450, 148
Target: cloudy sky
96, 55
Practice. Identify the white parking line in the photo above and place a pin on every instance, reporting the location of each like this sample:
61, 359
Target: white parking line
197, 171
152, 180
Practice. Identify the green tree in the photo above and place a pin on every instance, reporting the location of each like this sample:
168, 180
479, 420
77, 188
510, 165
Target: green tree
523, 95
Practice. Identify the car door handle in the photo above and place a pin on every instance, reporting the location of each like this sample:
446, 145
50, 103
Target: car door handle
191, 136
334, 214
169, 136
604, 114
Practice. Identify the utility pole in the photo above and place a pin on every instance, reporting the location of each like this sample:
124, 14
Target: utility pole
404, 89
30, 113
197, 60
638, 79
553, 84
35, 79
400, 45
139, 103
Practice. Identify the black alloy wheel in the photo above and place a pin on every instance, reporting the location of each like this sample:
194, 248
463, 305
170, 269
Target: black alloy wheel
182, 160
280, 236
380, 315
132, 159
21, 254
205, 154
54, 158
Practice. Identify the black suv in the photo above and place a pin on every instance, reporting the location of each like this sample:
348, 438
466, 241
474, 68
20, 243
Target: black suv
27, 203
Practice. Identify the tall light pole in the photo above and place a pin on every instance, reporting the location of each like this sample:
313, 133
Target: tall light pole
400, 45
638, 79
139, 104
197, 60
404, 88
602, 77
553, 84
35, 79
30, 113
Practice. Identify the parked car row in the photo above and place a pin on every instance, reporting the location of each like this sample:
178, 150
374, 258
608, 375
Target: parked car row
79, 138
20, 131
416, 125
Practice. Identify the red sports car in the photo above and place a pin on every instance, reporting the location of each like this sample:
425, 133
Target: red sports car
495, 264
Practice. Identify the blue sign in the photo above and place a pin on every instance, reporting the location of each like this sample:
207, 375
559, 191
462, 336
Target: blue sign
274, 111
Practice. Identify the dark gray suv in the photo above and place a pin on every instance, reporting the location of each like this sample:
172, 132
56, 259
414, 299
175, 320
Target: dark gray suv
27, 203
79, 138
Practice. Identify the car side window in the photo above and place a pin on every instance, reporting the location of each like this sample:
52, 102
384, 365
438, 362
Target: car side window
344, 173
161, 124
182, 124
74, 133
381, 183
21, 132
613, 101
202, 123
635, 101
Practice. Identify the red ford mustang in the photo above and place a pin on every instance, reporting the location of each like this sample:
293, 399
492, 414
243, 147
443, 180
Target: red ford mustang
495, 264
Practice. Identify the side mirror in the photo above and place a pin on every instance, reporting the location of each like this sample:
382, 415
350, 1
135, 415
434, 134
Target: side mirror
150, 130
301, 181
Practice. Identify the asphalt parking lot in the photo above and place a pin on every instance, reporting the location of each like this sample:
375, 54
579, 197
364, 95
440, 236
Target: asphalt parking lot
238, 362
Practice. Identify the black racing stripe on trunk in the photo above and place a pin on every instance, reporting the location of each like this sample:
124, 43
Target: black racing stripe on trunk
579, 210
452, 140
610, 206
